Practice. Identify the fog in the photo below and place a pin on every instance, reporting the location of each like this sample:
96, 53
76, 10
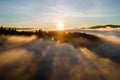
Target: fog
29, 58
111, 31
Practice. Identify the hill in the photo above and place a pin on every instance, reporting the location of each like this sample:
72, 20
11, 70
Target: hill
104, 26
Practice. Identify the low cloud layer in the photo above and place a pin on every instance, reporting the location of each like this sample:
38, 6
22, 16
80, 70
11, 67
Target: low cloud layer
39, 59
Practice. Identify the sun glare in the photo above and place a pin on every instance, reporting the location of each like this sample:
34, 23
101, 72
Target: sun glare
60, 26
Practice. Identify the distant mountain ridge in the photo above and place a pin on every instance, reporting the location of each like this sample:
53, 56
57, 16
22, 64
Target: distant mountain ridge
104, 26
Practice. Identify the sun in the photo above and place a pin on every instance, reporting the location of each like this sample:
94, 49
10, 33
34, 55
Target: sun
60, 26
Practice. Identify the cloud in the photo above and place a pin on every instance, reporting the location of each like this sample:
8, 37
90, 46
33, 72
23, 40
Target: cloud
47, 60
41, 11
110, 38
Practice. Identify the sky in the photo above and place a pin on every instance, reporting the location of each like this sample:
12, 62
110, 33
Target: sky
48, 13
